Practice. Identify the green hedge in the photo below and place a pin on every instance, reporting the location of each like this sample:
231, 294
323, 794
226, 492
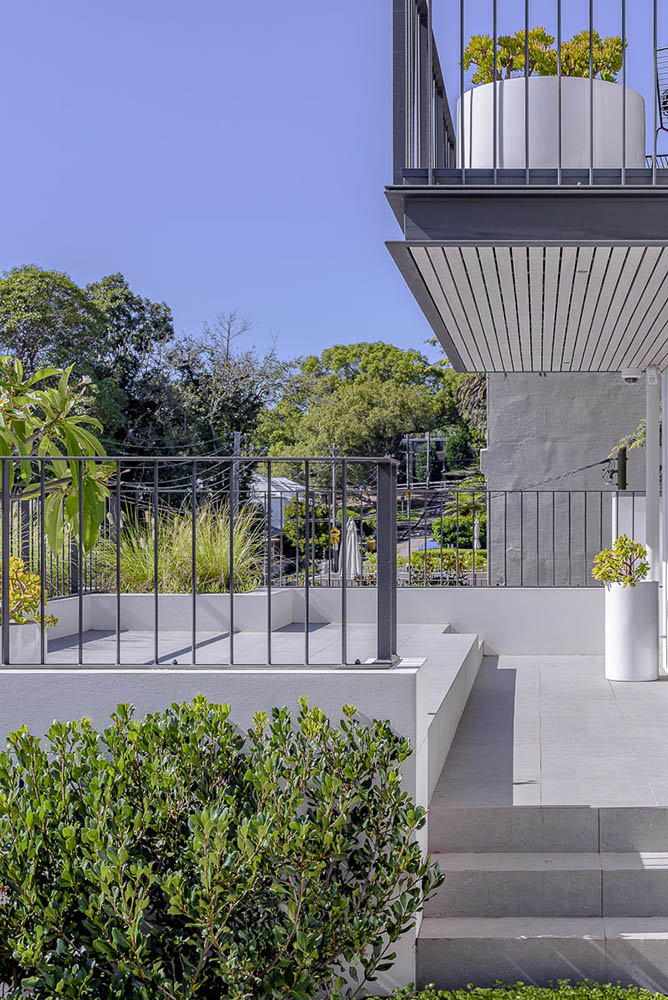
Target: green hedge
562, 990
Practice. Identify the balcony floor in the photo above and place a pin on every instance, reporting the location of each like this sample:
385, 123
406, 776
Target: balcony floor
250, 648
545, 731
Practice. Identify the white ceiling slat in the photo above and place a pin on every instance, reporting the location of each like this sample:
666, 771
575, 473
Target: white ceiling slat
450, 291
552, 256
519, 257
583, 266
600, 318
471, 262
597, 276
536, 282
640, 276
460, 277
639, 336
491, 279
556, 308
504, 267
566, 275
424, 260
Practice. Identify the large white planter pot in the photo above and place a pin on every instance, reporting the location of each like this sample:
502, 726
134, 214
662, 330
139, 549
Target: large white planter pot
632, 632
478, 124
24, 644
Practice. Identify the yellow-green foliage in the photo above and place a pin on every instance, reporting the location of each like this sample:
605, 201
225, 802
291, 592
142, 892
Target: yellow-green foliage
625, 563
175, 552
24, 595
606, 54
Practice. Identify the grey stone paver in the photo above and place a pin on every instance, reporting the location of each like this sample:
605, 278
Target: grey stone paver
552, 731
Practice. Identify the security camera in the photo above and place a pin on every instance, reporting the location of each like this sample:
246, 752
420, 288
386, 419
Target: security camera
630, 376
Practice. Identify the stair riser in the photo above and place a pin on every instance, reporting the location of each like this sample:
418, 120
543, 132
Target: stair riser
548, 829
452, 964
551, 894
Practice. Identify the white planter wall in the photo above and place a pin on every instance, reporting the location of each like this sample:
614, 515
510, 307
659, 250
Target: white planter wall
478, 124
632, 632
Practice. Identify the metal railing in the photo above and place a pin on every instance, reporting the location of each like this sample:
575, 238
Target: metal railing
139, 513
426, 148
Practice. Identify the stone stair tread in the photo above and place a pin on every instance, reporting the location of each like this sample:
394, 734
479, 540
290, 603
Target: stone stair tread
526, 861
530, 928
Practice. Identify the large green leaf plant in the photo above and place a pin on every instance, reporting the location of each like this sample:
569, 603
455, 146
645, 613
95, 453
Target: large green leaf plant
43, 416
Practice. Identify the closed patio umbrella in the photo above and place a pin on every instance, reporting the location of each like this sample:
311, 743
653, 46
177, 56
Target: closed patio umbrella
476, 534
353, 554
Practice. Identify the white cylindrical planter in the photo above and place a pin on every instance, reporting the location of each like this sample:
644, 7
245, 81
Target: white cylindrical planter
478, 125
632, 632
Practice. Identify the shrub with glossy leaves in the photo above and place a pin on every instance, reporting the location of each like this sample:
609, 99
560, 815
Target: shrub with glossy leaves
626, 563
562, 990
174, 856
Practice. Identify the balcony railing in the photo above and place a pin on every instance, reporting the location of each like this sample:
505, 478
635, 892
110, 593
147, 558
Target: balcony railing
429, 149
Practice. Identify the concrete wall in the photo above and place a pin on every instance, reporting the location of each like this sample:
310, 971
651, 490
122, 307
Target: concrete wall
539, 428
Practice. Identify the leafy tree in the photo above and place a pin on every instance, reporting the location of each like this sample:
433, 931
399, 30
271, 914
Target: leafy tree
46, 319
458, 451
38, 419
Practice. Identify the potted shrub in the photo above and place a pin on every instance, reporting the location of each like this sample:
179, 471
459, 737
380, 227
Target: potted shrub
24, 614
543, 87
631, 612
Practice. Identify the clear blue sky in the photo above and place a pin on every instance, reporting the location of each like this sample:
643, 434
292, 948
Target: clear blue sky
220, 154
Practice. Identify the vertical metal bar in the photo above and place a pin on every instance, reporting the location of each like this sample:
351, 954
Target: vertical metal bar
624, 91
554, 542
495, 114
307, 590
193, 560
537, 539
442, 532
343, 562
156, 538
591, 91
269, 559
6, 556
386, 561
570, 548
656, 89
473, 536
521, 539
526, 91
42, 563
462, 105
297, 538
457, 539
231, 582
430, 67
118, 562
426, 537
584, 494
505, 538
600, 520
559, 98
80, 557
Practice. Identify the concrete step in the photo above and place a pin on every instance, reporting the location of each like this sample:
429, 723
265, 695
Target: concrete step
452, 952
546, 829
551, 885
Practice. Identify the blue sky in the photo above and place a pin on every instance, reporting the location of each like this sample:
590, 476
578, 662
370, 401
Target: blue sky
220, 154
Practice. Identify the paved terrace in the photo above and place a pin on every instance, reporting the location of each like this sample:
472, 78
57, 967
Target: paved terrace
543, 731
250, 648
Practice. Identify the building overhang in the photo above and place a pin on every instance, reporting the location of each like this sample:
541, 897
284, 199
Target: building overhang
539, 279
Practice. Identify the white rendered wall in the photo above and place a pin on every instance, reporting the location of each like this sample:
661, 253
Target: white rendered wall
478, 125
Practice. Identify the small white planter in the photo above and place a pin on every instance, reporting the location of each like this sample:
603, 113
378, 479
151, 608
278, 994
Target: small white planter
24, 644
632, 632
478, 124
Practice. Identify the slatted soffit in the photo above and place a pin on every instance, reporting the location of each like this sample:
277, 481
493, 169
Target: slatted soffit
543, 308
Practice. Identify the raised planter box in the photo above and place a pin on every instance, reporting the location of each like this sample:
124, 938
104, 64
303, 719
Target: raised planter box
24, 643
543, 91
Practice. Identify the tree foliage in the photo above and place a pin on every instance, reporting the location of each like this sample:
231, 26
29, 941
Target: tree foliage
607, 55
173, 856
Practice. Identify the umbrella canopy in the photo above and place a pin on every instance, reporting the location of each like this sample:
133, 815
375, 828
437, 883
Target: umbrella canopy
353, 554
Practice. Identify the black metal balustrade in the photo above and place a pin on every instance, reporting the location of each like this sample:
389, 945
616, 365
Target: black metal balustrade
427, 150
